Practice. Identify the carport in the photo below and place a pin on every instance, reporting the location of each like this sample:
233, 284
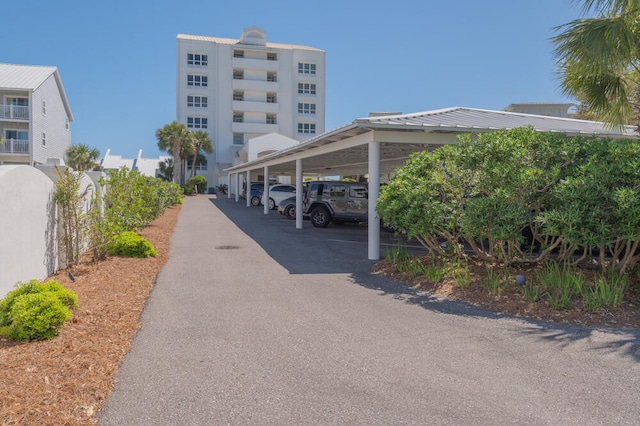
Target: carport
379, 144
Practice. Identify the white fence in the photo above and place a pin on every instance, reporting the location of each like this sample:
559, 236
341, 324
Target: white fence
28, 236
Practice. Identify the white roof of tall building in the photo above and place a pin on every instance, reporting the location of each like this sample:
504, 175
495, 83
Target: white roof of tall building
219, 40
29, 78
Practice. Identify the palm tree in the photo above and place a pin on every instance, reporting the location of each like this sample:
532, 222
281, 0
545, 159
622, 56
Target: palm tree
200, 141
172, 138
82, 157
599, 58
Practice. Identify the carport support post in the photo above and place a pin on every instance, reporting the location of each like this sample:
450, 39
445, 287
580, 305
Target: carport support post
237, 187
248, 188
265, 192
374, 193
299, 193
229, 186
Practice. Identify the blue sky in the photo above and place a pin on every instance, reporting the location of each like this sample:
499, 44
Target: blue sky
117, 59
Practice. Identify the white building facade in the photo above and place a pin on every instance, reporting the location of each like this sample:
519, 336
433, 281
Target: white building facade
238, 89
34, 115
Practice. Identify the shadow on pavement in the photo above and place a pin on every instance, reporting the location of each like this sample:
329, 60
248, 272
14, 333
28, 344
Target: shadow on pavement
343, 249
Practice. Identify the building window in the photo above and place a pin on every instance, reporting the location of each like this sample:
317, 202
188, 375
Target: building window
307, 88
238, 53
197, 122
44, 107
271, 119
66, 123
238, 74
305, 68
197, 80
272, 98
304, 108
307, 128
238, 117
238, 95
44, 139
197, 101
238, 139
196, 59
271, 56
272, 76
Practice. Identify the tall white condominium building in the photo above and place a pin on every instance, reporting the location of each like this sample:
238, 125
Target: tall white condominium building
239, 89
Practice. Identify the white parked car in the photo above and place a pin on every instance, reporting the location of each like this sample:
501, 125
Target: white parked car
278, 193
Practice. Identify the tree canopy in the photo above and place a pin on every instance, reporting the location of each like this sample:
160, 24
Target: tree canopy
599, 57
173, 138
82, 157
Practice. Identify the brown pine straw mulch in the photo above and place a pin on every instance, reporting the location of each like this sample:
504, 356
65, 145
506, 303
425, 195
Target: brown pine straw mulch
65, 381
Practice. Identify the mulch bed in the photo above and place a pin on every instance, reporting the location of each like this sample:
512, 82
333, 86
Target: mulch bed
65, 381
510, 300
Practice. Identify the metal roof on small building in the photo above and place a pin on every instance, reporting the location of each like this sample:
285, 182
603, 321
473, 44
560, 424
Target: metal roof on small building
460, 119
30, 78
343, 150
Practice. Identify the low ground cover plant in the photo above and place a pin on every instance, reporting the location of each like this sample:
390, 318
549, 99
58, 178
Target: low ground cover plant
35, 310
131, 244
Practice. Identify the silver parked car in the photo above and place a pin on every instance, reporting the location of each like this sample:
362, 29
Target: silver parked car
278, 193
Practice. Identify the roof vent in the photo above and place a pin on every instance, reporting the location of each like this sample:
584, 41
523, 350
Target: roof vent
383, 114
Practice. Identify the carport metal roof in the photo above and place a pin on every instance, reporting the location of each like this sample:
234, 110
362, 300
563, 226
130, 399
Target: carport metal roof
378, 145
344, 149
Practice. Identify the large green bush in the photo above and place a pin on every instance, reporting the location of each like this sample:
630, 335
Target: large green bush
35, 310
130, 203
199, 183
572, 195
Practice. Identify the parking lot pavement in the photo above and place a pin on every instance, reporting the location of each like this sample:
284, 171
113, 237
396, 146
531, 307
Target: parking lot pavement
343, 247
253, 322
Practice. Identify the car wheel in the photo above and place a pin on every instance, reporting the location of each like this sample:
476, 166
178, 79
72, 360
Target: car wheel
255, 201
272, 204
320, 217
290, 211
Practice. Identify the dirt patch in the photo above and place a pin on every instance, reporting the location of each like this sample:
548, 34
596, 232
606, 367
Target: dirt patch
511, 301
65, 381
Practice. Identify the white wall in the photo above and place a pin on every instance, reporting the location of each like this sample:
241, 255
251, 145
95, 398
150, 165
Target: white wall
27, 226
28, 240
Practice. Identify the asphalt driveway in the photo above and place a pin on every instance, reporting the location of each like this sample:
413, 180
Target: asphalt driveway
255, 322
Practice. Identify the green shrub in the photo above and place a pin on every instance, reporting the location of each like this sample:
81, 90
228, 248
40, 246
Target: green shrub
37, 316
35, 310
199, 182
131, 244
188, 189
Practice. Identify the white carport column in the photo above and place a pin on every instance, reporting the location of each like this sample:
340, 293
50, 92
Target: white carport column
237, 187
229, 186
265, 192
248, 188
299, 193
374, 193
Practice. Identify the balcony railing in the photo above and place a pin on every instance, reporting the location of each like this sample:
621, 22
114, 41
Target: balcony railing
14, 146
19, 112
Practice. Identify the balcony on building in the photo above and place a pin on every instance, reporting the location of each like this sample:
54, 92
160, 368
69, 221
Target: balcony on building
14, 146
254, 84
260, 128
14, 112
255, 106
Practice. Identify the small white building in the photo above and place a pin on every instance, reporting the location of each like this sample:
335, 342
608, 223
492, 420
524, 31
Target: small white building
146, 166
34, 115
239, 89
